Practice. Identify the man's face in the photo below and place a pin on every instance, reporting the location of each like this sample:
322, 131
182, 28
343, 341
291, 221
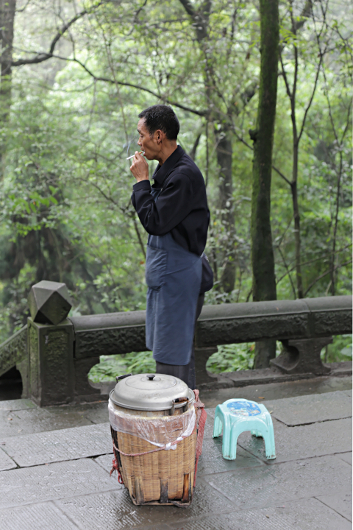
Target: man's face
149, 144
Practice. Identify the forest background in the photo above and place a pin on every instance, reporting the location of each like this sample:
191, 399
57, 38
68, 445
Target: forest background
74, 76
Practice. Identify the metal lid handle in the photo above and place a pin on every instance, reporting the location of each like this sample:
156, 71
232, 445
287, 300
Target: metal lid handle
178, 400
120, 377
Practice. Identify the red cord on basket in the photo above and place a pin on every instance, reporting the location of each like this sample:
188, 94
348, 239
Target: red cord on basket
201, 420
116, 468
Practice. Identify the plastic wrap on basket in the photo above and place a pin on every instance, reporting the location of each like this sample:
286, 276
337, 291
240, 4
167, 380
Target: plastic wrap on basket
162, 431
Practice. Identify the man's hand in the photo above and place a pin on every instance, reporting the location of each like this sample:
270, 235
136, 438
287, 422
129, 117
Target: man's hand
139, 167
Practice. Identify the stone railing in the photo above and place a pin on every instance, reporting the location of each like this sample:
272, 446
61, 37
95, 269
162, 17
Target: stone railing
61, 351
13, 352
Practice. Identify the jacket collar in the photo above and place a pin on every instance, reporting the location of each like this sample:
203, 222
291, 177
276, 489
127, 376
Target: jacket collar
165, 169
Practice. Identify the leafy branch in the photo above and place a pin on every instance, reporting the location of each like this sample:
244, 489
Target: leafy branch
44, 56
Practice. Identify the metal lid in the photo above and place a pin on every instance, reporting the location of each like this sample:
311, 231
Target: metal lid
150, 392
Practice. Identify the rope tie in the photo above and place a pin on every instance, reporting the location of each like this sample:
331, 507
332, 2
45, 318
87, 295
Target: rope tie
116, 468
165, 447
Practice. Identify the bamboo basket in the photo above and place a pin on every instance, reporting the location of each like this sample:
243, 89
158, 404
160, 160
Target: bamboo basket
162, 477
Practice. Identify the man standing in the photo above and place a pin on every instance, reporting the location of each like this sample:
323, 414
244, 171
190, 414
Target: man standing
175, 214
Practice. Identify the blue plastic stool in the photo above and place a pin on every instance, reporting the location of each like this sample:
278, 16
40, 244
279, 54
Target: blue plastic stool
238, 415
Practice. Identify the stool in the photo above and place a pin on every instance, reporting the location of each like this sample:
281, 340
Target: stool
238, 415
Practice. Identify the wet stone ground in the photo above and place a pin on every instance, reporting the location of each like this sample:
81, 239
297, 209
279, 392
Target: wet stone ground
55, 463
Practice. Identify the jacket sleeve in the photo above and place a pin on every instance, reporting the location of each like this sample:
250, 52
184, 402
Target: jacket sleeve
173, 204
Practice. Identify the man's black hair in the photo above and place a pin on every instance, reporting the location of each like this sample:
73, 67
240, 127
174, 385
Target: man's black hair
161, 117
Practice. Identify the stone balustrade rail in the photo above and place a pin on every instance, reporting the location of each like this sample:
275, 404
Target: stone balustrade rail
55, 359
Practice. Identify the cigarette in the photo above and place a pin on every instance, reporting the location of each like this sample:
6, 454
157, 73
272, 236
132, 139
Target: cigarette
132, 156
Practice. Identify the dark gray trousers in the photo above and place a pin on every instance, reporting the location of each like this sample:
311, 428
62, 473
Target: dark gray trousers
184, 372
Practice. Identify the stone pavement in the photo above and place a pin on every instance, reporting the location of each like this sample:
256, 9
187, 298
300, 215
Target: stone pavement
55, 463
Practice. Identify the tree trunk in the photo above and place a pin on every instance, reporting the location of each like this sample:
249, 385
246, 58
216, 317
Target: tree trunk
226, 206
264, 281
298, 268
200, 18
7, 18
335, 226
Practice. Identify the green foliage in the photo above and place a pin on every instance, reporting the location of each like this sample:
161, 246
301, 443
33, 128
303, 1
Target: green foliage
340, 349
111, 366
231, 358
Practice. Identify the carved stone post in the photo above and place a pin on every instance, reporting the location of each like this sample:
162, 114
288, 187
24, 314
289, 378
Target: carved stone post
23, 368
50, 345
51, 370
201, 357
84, 391
302, 356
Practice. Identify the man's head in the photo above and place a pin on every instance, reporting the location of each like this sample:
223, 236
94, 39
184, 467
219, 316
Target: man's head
163, 118
158, 129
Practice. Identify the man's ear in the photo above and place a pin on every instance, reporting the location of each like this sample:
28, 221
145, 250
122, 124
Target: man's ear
159, 136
